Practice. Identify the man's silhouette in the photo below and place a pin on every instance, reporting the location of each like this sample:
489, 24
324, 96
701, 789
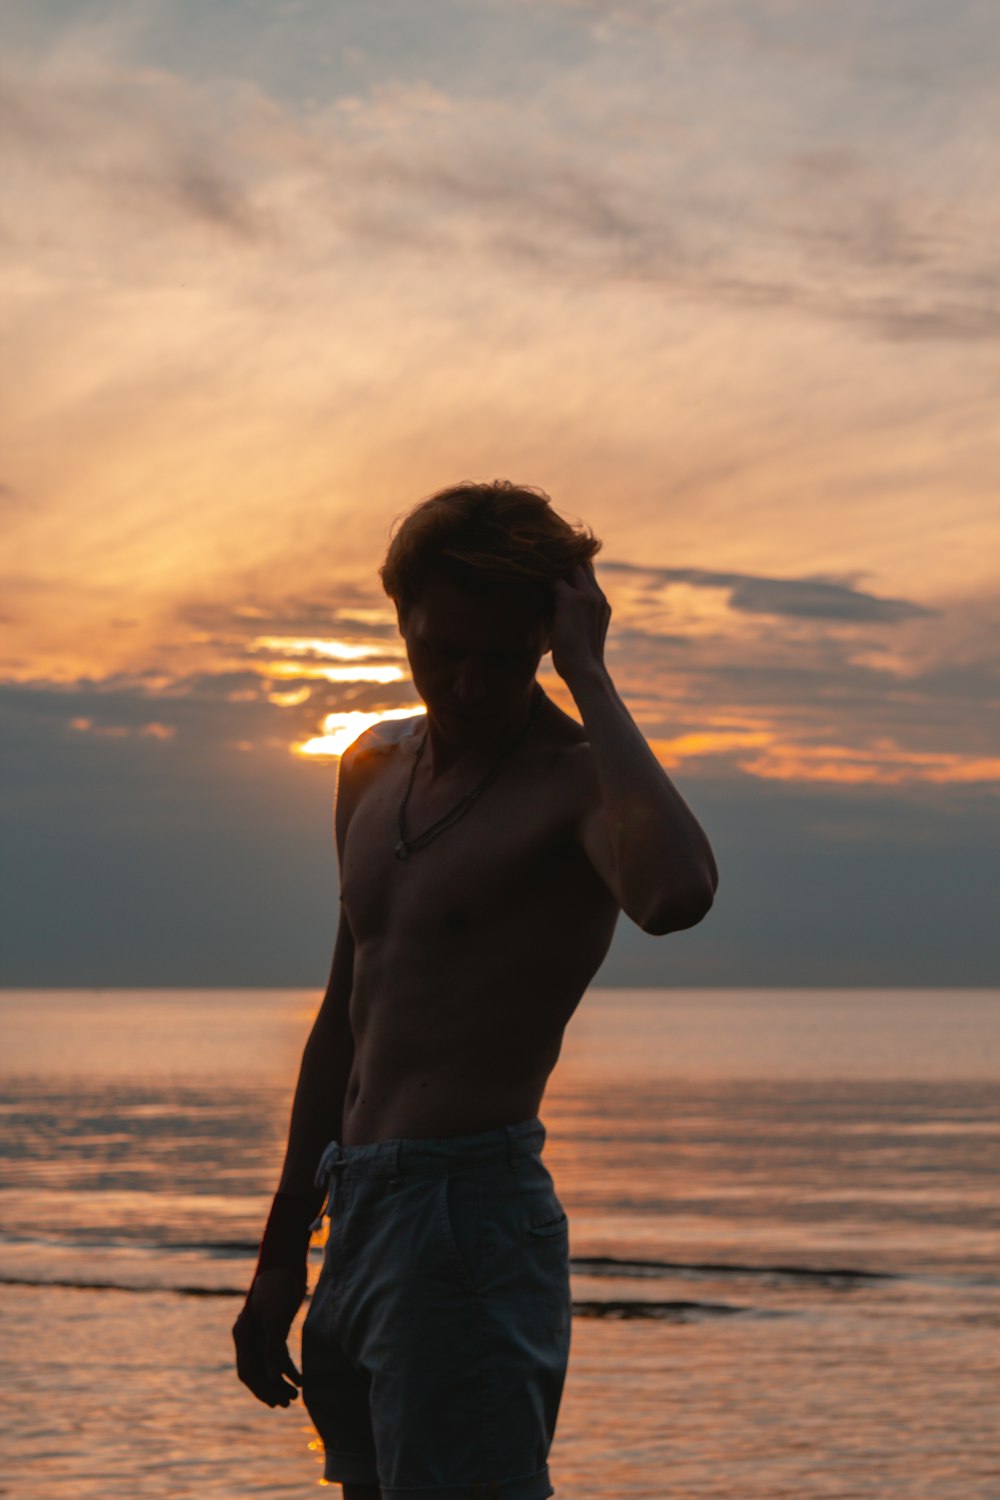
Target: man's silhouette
485, 851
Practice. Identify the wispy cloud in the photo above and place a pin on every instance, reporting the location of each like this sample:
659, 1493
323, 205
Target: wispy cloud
720, 276
673, 292
530, 188
804, 598
798, 679
134, 145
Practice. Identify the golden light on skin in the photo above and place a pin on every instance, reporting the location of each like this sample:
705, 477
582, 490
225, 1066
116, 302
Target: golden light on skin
341, 730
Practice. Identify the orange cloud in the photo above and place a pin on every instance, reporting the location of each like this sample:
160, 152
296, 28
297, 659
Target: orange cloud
884, 764
763, 419
694, 746
153, 731
836, 763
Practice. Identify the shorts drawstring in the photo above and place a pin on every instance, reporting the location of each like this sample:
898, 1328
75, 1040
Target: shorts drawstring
328, 1165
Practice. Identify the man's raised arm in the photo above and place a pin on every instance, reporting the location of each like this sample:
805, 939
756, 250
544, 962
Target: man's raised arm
640, 835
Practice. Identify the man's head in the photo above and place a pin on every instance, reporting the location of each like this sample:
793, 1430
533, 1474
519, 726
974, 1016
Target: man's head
498, 535
471, 571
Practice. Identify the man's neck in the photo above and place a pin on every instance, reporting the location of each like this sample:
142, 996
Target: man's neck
446, 755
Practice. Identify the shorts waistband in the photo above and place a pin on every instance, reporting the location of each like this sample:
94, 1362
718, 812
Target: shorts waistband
434, 1157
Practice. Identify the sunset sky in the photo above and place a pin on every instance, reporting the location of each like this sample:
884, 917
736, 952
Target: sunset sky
721, 277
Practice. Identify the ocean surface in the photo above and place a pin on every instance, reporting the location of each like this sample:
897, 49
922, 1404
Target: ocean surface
785, 1230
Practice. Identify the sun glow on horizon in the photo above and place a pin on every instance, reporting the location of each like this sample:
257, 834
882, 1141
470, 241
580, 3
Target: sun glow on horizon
358, 660
362, 672
341, 730
290, 699
284, 645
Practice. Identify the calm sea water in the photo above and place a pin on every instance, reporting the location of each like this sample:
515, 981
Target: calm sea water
785, 1229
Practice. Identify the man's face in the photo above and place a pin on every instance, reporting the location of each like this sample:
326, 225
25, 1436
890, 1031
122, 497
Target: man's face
473, 655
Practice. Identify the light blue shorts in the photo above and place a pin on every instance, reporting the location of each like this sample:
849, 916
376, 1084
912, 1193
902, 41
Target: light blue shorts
435, 1348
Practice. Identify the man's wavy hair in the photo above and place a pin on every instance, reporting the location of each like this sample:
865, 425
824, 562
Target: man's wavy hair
494, 534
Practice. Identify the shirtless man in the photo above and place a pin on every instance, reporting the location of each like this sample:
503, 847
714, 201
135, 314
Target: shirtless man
486, 851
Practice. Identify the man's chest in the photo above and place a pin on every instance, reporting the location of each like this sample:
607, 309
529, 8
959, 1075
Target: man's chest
466, 867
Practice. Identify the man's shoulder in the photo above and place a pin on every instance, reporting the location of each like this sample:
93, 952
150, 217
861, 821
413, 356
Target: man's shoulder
563, 735
379, 741
365, 759
569, 759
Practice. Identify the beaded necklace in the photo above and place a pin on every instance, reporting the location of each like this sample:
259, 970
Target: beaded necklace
406, 845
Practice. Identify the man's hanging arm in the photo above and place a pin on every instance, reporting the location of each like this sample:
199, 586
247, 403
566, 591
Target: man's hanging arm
279, 1283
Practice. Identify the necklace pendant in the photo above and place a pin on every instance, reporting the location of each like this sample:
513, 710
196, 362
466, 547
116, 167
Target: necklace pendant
401, 851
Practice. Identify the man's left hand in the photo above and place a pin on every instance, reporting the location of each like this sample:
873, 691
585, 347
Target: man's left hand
260, 1334
579, 623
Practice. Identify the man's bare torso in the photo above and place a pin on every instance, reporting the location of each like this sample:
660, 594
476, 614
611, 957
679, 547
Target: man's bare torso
456, 970
471, 955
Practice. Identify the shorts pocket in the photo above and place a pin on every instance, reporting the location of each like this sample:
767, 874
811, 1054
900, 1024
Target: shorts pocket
461, 1218
551, 1227
545, 1248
